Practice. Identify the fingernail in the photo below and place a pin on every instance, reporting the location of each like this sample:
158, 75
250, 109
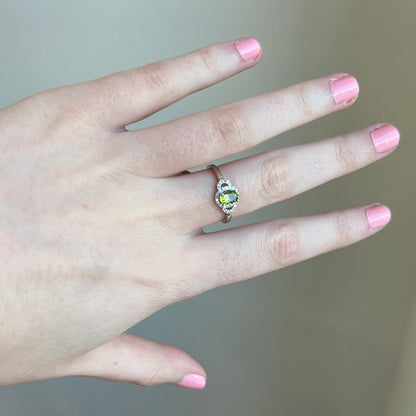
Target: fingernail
378, 216
249, 49
385, 138
193, 381
344, 89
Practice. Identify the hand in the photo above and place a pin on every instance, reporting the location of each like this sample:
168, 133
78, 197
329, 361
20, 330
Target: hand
98, 229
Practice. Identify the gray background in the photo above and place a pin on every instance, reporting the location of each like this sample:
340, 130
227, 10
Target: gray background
324, 337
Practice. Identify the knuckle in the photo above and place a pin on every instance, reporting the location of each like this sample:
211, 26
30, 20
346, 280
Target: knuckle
276, 178
284, 244
160, 79
230, 127
343, 229
303, 101
154, 376
344, 155
53, 107
209, 61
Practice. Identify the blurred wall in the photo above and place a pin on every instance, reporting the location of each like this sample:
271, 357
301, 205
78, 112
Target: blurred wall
402, 400
320, 338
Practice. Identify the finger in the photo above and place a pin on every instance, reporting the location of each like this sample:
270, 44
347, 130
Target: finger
125, 97
130, 359
276, 175
238, 254
228, 129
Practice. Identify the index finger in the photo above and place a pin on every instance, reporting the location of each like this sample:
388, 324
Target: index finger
129, 96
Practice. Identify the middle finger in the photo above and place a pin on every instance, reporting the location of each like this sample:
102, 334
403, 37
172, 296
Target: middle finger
197, 139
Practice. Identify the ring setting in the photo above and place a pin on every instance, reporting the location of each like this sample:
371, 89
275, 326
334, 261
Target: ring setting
227, 196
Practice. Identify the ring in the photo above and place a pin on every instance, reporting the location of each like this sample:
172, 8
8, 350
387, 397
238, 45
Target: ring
227, 196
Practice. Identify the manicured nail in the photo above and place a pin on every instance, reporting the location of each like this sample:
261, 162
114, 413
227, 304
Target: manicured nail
193, 381
344, 89
385, 138
249, 49
378, 216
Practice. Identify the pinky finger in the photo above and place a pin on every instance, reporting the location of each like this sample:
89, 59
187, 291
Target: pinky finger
238, 254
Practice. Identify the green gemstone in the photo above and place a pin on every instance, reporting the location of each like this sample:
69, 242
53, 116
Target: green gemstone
228, 197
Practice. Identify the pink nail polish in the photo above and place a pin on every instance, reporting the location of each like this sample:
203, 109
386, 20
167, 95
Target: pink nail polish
344, 89
385, 138
193, 381
378, 216
249, 49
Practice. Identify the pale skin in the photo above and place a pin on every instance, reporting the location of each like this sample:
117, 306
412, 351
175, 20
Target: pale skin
95, 234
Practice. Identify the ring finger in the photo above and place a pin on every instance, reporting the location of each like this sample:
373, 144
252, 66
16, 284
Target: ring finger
280, 174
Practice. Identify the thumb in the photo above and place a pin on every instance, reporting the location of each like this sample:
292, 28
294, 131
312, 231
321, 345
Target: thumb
131, 359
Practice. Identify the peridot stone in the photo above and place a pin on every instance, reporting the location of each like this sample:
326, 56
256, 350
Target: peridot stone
228, 197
